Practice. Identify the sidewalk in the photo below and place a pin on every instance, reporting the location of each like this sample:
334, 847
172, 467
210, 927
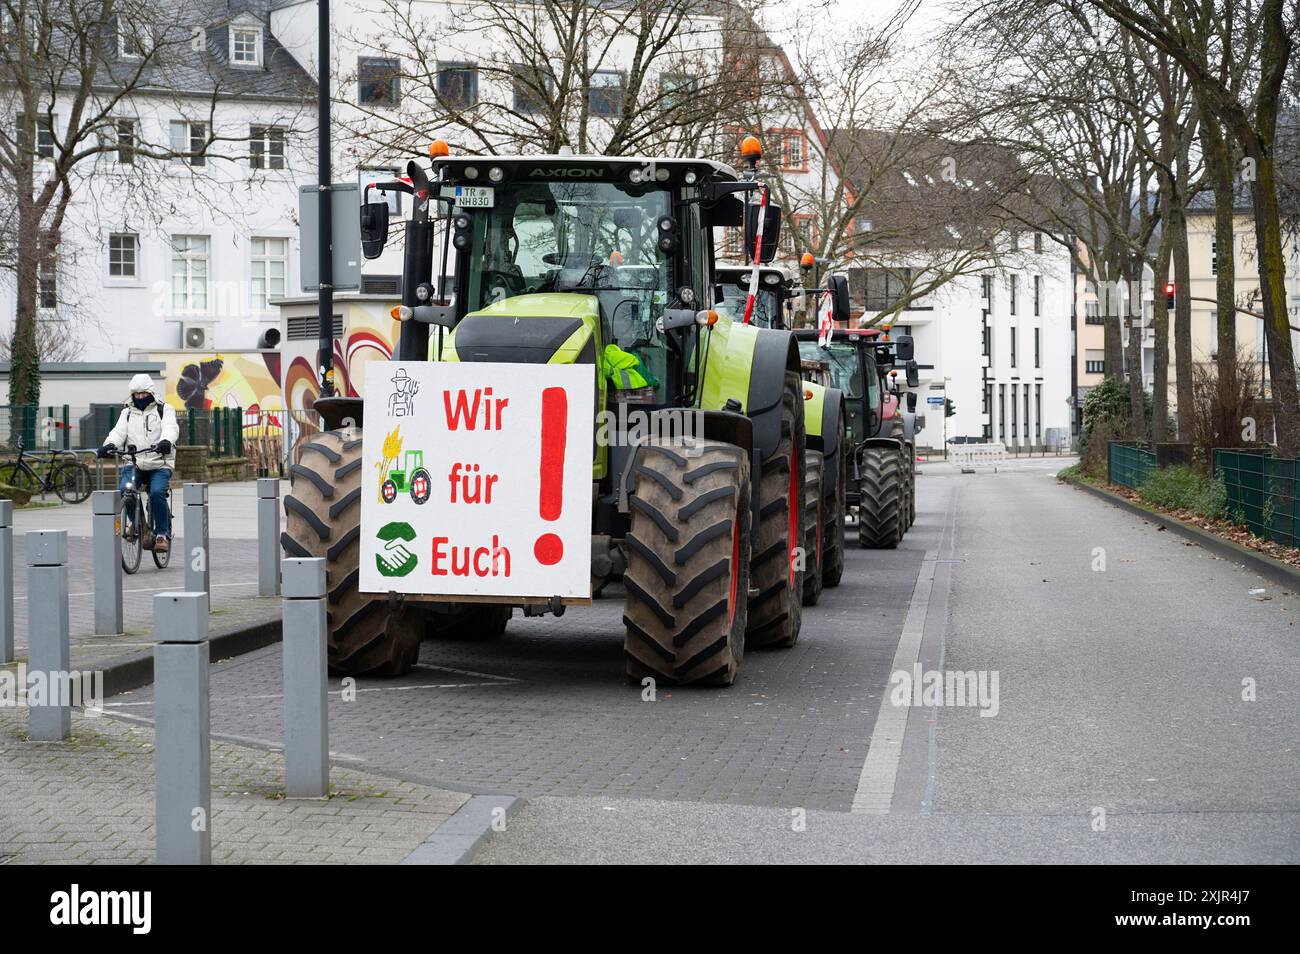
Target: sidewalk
236, 607
90, 801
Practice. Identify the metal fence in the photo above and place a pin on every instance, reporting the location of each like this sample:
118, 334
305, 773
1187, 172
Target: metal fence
1262, 493
1129, 465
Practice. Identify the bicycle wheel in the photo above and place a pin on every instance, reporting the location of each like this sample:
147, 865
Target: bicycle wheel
19, 478
131, 535
160, 560
72, 482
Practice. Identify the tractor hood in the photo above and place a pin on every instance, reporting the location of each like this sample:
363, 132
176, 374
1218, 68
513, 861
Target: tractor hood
554, 327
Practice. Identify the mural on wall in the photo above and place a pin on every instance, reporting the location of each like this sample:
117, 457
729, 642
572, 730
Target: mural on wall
365, 339
248, 380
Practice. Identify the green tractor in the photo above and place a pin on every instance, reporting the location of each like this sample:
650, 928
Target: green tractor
881, 482
605, 261
419, 484
826, 463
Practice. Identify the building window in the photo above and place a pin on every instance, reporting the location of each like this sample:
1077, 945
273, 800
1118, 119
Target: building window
1038, 413
1013, 347
794, 152
986, 287
47, 286
677, 89
1038, 347
189, 273
266, 147
189, 142
1024, 423
1002, 412
532, 87
988, 341
245, 46
1015, 412
605, 94
988, 399
129, 44
1214, 256
1038, 243
886, 288
123, 254
458, 84
1038, 295
1015, 287
806, 226
125, 140
270, 266
43, 127
1091, 311
1094, 367
379, 81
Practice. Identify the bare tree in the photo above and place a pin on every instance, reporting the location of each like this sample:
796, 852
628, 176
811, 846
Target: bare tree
73, 76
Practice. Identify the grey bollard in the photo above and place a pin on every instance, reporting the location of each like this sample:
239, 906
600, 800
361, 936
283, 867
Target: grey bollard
198, 579
105, 506
6, 581
306, 706
49, 713
182, 744
268, 536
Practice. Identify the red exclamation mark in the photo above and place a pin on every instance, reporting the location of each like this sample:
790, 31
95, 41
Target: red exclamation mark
549, 548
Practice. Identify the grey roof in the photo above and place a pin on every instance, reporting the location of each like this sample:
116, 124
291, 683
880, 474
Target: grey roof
178, 68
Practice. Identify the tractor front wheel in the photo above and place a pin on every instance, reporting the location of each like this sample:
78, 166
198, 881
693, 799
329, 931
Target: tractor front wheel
323, 519
834, 511
687, 576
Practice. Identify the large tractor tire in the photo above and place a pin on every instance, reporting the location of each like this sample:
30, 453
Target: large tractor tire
475, 625
776, 610
323, 519
880, 510
834, 511
687, 576
899, 433
814, 502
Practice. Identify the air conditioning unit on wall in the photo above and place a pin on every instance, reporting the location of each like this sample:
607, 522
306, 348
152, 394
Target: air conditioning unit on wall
196, 335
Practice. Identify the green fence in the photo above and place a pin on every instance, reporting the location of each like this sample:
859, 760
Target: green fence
1262, 493
1128, 465
61, 427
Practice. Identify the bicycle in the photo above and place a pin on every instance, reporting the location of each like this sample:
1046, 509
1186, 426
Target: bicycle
135, 524
70, 479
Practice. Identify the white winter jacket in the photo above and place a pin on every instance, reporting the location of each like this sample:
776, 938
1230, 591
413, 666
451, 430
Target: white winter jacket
145, 428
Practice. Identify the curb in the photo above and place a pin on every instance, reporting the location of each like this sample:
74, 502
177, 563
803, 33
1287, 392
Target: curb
1265, 566
132, 672
455, 840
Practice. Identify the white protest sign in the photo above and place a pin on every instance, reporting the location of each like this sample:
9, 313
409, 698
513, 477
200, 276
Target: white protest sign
477, 479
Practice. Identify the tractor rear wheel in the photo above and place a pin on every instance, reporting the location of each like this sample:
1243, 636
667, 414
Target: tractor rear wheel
881, 497
776, 611
323, 519
687, 576
814, 502
834, 512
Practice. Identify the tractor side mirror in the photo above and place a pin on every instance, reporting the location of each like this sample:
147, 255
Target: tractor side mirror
837, 286
913, 377
771, 232
904, 350
911, 402
374, 228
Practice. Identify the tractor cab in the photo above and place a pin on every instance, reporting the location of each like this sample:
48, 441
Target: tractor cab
775, 301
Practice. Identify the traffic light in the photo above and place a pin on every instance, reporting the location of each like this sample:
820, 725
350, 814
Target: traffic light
1169, 296
949, 408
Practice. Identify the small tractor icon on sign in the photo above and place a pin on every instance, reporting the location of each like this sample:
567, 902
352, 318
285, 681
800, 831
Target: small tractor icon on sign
412, 478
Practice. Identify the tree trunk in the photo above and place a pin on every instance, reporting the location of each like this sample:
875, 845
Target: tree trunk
1182, 317
1272, 285
1133, 320
1218, 158
25, 369
1112, 309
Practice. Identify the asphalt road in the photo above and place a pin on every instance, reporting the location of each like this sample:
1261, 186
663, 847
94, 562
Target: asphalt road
1120, 733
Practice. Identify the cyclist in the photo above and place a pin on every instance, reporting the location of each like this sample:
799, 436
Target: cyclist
146, 421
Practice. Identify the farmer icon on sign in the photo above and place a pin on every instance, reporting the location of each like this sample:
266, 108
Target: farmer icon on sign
401, 403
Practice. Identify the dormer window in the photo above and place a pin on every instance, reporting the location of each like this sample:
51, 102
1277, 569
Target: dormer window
245, 46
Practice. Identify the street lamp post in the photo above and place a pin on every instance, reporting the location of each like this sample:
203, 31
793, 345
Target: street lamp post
325, 292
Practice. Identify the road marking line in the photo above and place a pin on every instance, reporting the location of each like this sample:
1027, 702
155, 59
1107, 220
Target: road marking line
875, 791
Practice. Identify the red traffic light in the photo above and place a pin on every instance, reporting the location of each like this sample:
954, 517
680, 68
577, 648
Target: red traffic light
1169, 295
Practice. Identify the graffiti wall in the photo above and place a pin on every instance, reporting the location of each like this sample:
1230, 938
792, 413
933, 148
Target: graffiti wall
369, 334
204, 380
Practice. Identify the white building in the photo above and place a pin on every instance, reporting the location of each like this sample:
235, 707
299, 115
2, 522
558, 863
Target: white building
187, 252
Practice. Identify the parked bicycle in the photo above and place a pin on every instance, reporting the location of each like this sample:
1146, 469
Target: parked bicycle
64, 474
135, 524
